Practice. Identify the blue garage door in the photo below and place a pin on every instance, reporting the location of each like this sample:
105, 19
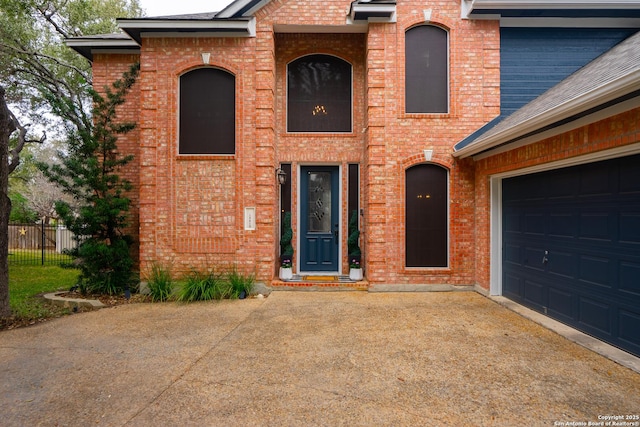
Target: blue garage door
571, 247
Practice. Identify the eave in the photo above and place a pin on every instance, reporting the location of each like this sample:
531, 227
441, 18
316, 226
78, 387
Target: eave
216, 27
494, 9
372, 11
87, 46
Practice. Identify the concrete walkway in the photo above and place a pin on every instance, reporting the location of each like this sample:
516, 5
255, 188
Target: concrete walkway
301, 358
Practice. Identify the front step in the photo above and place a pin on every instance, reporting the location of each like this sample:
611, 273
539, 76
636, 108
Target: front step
327, 283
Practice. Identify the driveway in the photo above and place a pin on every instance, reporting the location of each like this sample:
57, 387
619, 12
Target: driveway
308, 358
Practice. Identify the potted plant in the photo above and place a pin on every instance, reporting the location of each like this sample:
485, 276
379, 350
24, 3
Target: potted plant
353, 248
286, 249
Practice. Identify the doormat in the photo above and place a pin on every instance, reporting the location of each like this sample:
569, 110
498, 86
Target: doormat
320, 278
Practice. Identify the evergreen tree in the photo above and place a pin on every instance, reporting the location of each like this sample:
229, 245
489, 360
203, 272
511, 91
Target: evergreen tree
89, 173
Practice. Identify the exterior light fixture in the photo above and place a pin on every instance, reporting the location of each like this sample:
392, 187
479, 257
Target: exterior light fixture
282, 176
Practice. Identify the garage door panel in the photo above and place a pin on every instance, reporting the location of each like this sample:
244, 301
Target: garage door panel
595, 314
595, 226
512, 223
630, 278
562, 263
584, 221
534, 224
599, 182
630, 328
533, 258
562, 225
594, 270
630, 227
534, 293
629, 176
561, 303
512, 254
512, 286
562, 185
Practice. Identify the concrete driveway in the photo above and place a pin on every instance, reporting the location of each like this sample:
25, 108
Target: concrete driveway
302, 358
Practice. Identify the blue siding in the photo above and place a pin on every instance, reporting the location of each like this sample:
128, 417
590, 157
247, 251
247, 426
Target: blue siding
535, 59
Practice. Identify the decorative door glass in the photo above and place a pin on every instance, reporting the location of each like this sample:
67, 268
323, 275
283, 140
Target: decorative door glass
319, 191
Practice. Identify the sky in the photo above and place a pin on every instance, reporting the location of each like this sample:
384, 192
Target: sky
178, 7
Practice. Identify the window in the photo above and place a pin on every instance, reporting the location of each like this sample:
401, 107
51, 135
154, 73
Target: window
207, 112
426, 70
427, 215
319, 94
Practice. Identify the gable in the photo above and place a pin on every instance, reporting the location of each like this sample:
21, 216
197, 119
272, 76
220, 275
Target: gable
535, 59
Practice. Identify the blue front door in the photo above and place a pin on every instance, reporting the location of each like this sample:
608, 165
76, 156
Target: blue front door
319, 218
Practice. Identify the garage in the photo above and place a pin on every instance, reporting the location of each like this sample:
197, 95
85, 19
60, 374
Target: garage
571, 247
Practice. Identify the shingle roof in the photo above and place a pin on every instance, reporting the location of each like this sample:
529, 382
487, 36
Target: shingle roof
189, 16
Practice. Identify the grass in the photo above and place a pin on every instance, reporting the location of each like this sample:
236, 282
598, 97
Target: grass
241, 285
160, 283
27, 282
204, 286
34, 257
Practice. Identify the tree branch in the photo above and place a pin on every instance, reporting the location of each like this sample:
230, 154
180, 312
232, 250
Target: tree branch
14, 154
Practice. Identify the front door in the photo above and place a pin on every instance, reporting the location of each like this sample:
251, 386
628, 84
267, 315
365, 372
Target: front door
319, 218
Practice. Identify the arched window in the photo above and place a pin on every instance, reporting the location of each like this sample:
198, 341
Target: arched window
427, 216
426, 70
207, 112
319, 94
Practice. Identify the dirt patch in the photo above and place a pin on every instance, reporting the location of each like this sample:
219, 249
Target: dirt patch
53, 311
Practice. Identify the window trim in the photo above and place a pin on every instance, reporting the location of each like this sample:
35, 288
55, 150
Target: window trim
205, 156
286, 101
448, 66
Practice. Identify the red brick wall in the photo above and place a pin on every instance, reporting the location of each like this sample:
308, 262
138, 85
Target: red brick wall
396, 140
192, 207
617, 131
305, 148
106, 70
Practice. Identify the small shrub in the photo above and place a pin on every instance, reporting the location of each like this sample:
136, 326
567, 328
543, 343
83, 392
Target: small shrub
105, 268
160, 283
200, 286
241, 285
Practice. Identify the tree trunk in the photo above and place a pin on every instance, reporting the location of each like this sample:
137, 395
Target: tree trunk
6, 129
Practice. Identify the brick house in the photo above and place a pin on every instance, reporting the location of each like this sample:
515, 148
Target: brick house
485, 144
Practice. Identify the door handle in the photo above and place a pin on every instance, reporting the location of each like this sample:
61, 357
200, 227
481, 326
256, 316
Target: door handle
335, 233
545, 257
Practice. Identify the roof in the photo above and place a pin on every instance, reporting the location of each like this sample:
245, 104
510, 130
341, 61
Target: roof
235, 20
492, 9
611, 79
106, 42
202, 23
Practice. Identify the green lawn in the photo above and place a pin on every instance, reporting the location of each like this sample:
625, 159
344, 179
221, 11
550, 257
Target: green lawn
26, 282
34, 257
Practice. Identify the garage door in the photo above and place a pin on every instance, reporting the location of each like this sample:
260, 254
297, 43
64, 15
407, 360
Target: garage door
571, 247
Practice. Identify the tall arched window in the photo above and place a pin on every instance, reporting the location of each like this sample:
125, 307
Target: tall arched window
319, 94
426, 70
427, 216
207, 112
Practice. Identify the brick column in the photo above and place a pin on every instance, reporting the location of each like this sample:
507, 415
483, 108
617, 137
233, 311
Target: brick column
266, 197
374, 170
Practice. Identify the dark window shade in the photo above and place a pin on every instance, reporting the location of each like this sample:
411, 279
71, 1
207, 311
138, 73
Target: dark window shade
319, 94
426, 216
354, 188
426, 70
207, 112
